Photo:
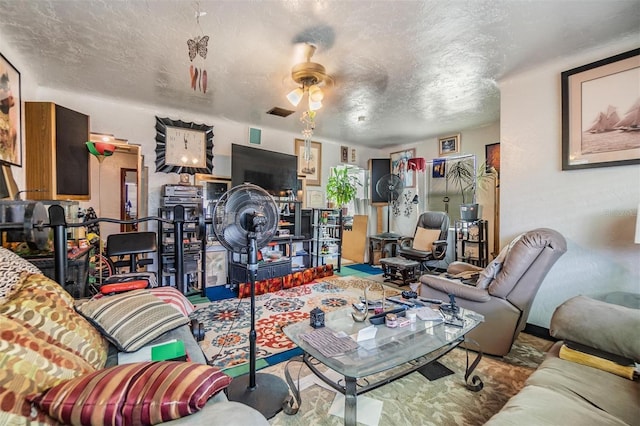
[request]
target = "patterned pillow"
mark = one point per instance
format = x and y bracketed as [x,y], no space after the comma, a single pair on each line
[11,266]
[44,307]
[28,365]
[174,298]
[131,320]
[139,393]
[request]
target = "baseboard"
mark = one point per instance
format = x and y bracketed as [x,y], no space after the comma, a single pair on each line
[537,331]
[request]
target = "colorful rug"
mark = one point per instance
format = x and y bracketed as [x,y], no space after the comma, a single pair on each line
[415,400]
[362,267]
[227,322]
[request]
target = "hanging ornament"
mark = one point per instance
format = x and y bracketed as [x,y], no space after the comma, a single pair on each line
[197,47]
[308,119]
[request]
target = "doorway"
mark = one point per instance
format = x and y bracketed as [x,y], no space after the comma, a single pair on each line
[128,198]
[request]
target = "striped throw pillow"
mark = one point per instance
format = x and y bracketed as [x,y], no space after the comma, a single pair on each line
[174,298]
[139,393]
[133,319]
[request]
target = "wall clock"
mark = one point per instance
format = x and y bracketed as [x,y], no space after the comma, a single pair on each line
[183,147]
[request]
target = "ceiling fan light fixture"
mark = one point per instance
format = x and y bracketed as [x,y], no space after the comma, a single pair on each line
[314,106]
[295,96]
[315,93]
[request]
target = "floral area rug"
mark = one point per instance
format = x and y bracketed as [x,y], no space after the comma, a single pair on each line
[227,322]
[415,400]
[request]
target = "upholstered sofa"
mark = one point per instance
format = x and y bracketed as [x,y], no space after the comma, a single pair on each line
[578,383]
[57,367]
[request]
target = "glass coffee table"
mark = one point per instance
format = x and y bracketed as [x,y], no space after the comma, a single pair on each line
[402,350]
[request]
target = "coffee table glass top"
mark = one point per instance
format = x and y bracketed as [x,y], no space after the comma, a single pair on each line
[391,347]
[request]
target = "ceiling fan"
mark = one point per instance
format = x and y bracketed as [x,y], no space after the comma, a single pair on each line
[311,77]
[389,187]
[245,219]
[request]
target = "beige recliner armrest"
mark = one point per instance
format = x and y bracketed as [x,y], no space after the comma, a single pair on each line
[455,268]
[456,288]
[600,325]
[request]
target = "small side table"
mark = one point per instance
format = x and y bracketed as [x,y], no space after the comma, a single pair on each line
[378,247]
[406,268]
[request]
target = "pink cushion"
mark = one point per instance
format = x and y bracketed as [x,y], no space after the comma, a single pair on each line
[138,393]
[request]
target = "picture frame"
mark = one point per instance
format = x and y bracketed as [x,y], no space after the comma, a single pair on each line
[598,103]
[11,94]
[449,145]
[400,166]
[492,156]
[310,168]
[344,154]
[315,199]
[439,168]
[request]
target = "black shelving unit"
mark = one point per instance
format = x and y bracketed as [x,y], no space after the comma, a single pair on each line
[326,241]
[471,241]
[193,247]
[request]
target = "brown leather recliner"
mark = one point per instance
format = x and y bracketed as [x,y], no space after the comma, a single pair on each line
[504,290]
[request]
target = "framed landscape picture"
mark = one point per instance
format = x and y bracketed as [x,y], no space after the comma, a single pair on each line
[449,145]
[601,113]
[10,114]
[309,166]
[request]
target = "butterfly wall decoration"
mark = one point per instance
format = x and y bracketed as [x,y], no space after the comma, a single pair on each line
[198,47]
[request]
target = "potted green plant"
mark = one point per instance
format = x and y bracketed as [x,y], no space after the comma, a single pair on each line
[341,186]
[461,174]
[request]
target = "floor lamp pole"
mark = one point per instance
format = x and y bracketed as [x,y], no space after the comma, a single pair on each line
[264,392]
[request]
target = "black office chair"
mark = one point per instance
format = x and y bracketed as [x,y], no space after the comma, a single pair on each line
[429,242]
[126,250]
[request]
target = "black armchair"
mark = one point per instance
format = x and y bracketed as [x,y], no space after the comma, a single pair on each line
[429,242]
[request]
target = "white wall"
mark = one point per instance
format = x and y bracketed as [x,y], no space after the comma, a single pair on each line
[136,123]
[595,209]
[472,141]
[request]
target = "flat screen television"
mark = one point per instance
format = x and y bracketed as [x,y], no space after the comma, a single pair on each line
[275,172]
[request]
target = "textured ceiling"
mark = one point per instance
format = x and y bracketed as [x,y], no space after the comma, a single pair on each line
[412,69]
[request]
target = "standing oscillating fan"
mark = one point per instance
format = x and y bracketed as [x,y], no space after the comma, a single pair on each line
[245,219]
[390,187]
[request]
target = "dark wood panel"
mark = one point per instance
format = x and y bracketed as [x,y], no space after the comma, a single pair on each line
[72,156]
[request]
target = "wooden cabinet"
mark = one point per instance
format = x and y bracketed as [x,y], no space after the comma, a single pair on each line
[56,157]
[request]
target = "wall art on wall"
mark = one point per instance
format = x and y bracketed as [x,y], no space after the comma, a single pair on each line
[492,155]
[399,166]
[344,154]
[449,145]
[10,114]
[353,155]
[601,113]
[315,199]
[439,168]
[309,166]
